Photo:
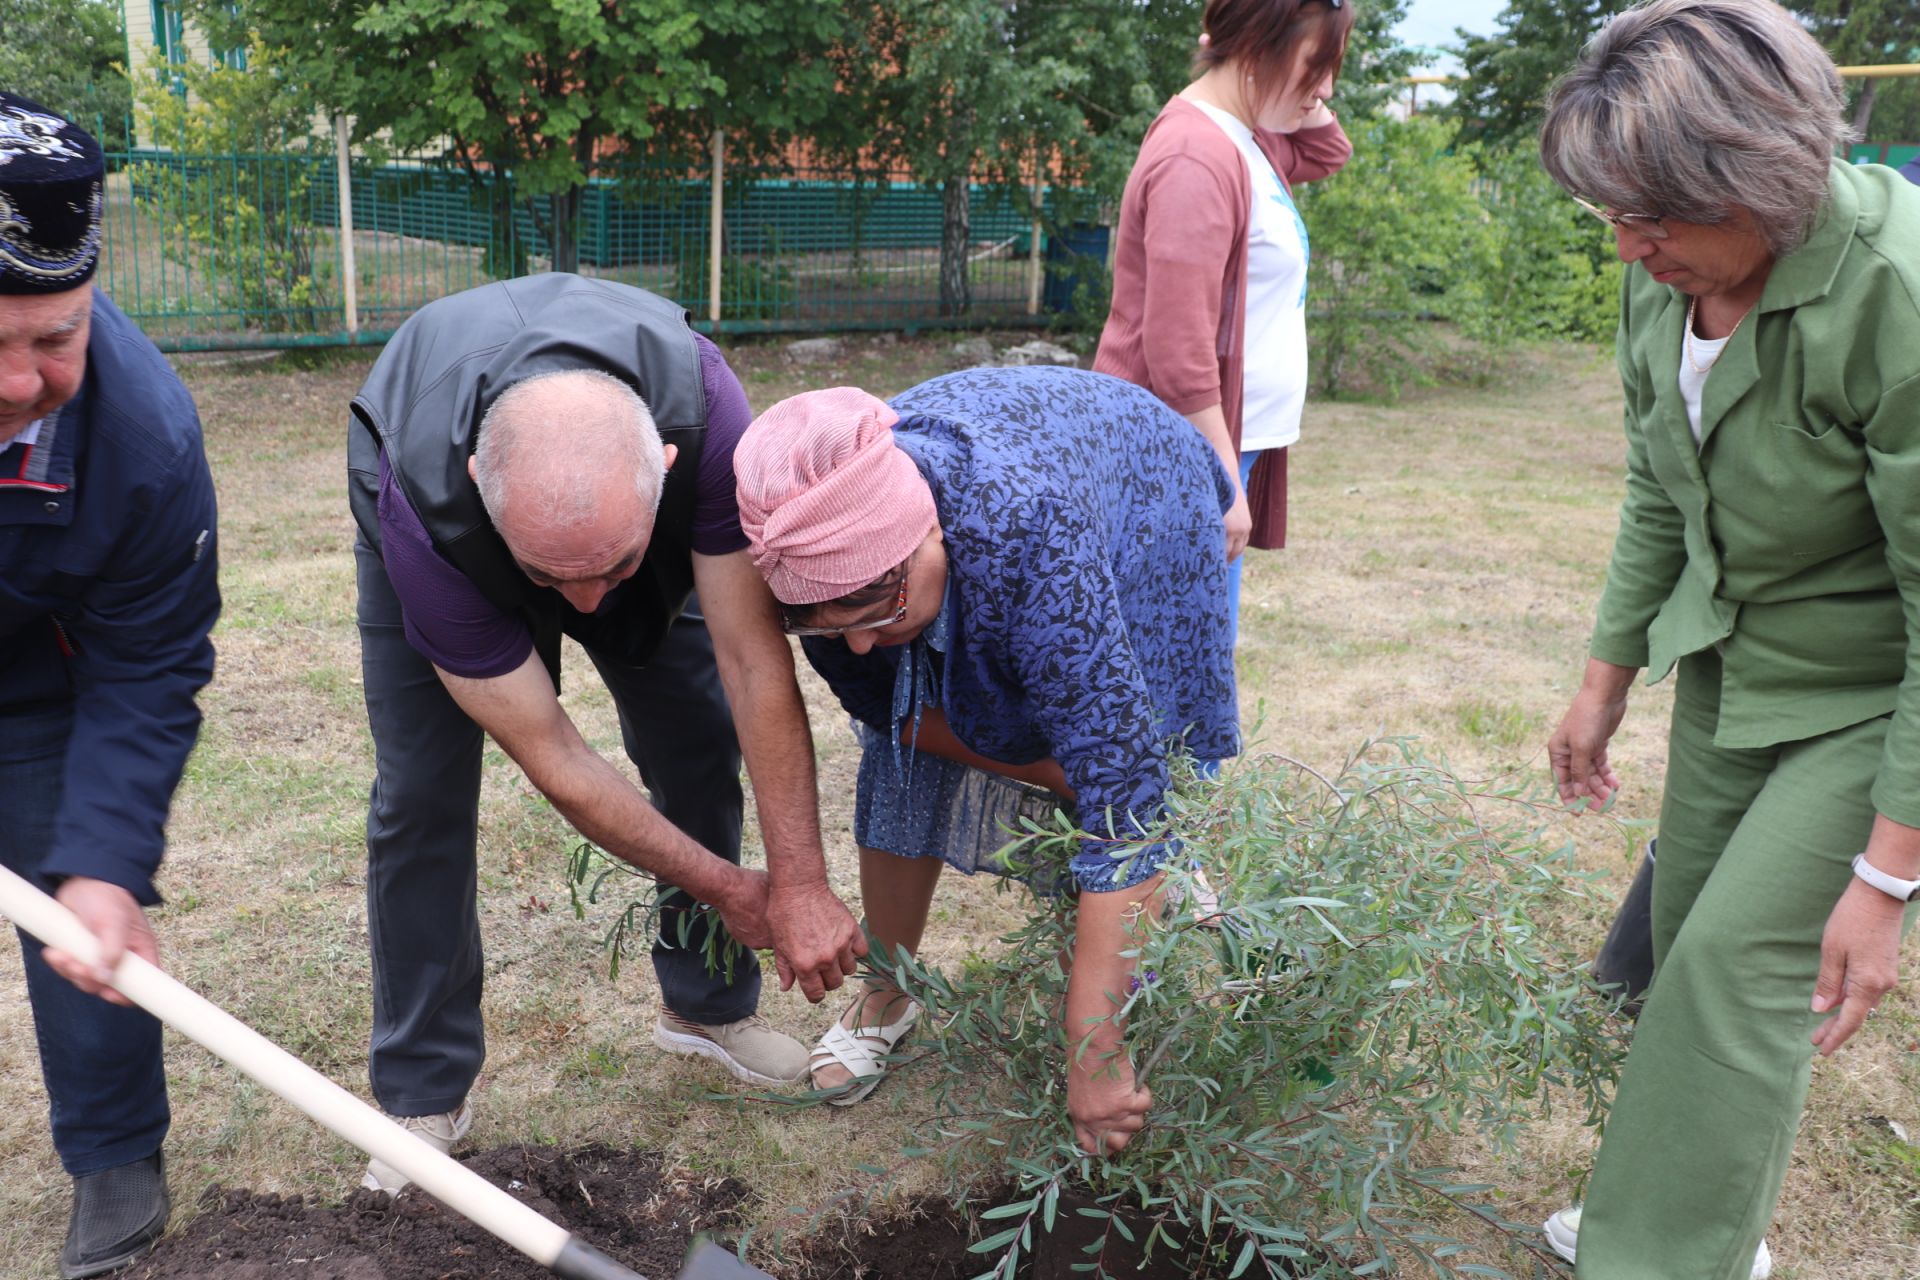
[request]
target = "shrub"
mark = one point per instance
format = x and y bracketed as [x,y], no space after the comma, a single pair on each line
[1395,239]
[1381,977]
[1550,270]
[1413,231]
[236,197]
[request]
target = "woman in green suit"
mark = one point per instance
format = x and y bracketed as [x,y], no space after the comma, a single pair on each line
[1769,548]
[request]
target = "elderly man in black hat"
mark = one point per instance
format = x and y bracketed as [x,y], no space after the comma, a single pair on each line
[107,596]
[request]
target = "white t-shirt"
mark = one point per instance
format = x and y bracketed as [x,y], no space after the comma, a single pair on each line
[1702,352]
[1275,386]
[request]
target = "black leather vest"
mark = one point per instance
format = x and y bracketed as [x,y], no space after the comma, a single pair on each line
[423,402]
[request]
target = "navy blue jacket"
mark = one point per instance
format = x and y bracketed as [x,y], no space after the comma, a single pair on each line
[107,596]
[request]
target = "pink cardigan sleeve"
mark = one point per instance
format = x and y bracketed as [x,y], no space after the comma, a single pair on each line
[1192,226]
[1307,154]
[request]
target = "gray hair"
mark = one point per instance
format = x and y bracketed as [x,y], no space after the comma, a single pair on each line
[1693,109]
[547,437]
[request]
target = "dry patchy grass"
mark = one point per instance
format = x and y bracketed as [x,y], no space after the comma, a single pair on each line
[1446,556]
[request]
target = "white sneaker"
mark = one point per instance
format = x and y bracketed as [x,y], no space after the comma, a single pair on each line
[439,1132]
[749,1048]
[1563,1233]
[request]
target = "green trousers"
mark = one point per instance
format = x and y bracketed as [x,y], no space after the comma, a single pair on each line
[1756,846]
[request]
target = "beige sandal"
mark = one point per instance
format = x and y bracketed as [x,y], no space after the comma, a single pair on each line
[862,1051]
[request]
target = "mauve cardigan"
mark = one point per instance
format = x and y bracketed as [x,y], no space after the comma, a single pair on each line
[1178,324]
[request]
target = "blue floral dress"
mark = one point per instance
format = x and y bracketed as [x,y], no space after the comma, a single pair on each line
[1083,619]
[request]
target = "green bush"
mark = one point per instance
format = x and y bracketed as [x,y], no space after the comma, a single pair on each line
[236,197]
[1381,977]
[1397,237]
[759,286]
[1550,271]
[1414,231]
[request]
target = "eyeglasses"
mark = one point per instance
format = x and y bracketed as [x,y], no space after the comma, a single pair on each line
[1641,224]
[792,628]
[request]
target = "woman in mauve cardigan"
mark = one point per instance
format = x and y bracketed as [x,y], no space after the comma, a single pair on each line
[1178,324]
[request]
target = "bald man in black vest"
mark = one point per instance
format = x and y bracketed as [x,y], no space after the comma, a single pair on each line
[548,457]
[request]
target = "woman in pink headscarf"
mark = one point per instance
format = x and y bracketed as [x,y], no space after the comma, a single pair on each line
[967,569]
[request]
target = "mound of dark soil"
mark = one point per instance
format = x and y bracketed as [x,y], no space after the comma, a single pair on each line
[624,1203]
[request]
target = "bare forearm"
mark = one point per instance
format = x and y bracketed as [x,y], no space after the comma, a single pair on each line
[1211,422]
[777,744]
[769,717]
[936,737]
[606,808]
[1607,681]
[519,711]
[1110,924]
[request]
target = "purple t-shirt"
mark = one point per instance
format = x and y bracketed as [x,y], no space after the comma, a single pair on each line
[455,627]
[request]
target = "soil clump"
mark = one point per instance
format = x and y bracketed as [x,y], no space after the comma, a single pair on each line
[627,1204]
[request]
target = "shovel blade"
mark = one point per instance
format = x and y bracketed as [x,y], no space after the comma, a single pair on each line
[708,1261]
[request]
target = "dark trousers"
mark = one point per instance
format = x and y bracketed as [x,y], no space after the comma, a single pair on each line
[422,829]
[101,1062]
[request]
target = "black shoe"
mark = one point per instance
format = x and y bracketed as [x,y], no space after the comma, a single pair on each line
[118,1214]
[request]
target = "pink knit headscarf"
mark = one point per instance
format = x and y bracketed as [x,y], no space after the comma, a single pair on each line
[827,500]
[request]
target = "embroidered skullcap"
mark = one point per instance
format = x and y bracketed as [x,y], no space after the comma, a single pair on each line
[51,172]
[827,500]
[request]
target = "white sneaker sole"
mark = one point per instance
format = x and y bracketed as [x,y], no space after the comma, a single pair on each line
[1564,1243]
[381,1176]
[1562,1240]
[699,1046]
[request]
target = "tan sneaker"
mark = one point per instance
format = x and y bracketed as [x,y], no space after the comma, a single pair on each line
[439,1132]
[749,1048]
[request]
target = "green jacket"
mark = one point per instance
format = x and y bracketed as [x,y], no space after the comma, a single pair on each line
[1791,538]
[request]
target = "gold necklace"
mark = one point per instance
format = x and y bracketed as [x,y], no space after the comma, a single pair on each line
[1686,340]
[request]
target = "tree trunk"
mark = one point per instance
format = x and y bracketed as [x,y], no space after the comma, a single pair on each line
[506,255]
[563,234]
[1863,108]
[956,232]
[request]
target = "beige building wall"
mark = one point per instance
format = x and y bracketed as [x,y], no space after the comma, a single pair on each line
[145,47]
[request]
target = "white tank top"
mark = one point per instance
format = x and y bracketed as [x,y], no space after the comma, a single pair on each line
[1275,387]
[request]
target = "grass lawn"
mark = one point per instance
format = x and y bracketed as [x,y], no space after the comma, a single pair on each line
[1447,552]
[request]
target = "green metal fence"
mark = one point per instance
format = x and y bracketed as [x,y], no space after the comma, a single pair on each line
[1890,153]
[246,250]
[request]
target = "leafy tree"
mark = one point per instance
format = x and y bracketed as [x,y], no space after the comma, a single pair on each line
[67,55]
[235,197]
[1896,110]
[1399,238]
[992,91]
[1548,270]
[1506,75]
[546,90]
[1864,31]
[1376,60]
[960,92]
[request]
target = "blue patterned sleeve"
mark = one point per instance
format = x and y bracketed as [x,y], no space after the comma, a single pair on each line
[1069,644]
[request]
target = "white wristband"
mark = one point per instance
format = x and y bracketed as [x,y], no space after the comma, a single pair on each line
[1892,886]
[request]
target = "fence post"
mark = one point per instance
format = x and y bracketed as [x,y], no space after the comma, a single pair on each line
[1034,271]
[713,230]
[349,277]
